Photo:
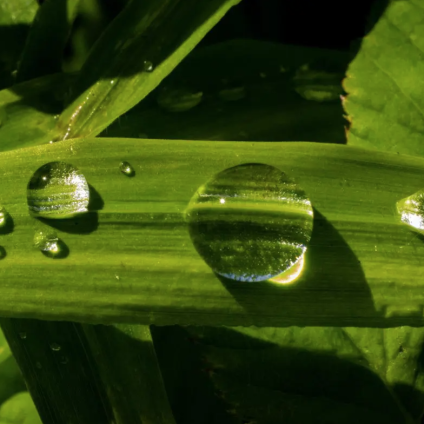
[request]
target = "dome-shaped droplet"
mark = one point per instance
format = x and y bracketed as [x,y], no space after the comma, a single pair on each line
[232,93]
[250,222]
[127,169]
[47,241]
[178,99]
[55,346]
[147,66]
[411,210]
[22,335]
[57,190]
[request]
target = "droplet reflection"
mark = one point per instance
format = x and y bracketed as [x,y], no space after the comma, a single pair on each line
[250,222]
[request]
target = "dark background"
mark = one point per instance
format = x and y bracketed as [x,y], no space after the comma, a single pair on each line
[312,23]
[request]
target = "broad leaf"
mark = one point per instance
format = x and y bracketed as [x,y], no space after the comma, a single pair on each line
[325,375]
[140,48]
[385,85]
[130,258]
[248,91]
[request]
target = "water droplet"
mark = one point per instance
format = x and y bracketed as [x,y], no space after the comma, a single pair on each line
[250,222]
[64,360]
[38,365]
[232,94]
[320,93]
[147,66]
[22,335]
[55,347]
[178,99]
[127,169]
[262,74]
[48,242]
[411,210]
[318,85]
[57,190]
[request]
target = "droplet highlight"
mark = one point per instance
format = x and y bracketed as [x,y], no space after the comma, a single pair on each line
[178,99]
[22,335]
[127,169]
[57,190]
[147,66]
[411,211]
[250,222]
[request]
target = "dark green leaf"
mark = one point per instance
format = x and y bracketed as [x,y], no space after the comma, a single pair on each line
[43,53]
[320,375]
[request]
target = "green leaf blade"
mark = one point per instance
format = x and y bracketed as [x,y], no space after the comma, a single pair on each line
[132,260]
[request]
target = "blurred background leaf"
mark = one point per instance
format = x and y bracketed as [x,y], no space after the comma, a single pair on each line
[19,409]
[248,90]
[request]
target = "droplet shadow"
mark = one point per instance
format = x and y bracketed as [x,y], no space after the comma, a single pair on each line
[331,285]
[8,225]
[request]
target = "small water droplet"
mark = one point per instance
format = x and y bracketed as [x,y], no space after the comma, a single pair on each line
[147,66]
[56,116]
[112,82]
[48,242]
[178,99]
[262,74]
[38,365]
[64,360]
[250,222]
[127,169]
[22,335]
[55,347]
[411,210]
[232,94]
[57,190]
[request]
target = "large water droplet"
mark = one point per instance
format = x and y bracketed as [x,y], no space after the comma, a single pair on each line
[127,169]
[250,222]
[57,190]
[178,99]
[147,66]
[48,242]
[411,210]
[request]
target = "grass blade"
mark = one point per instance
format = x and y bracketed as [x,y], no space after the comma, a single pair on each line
[51,28]
[131,258]
[112,83]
